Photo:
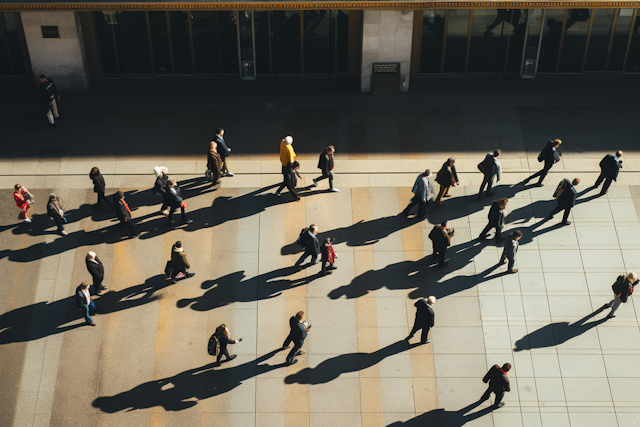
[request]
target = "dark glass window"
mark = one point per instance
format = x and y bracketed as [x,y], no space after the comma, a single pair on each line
[486,30]
[457,33]
[620,38]
[12,61]
[510,56]
[160,42]
[181,43]
[575,39]
[550,40]
[599,40]
[135,40]
[633,61]
[227,42]
[109,42]
[340,41]
[204,42]
[432,35]
[317,55]
[264,28]
[533,38]
[288,42]
[6,66]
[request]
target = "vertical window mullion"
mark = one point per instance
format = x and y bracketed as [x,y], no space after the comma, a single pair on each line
[153,65]
[562,33]
[444,40]
[170,41]
[301,41]
[466,59]
[611,36]
[586,45]
[632,26]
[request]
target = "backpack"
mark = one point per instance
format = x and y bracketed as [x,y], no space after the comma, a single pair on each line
[213,347]
[481,166]
[300,240]
[560,189]
[168,269]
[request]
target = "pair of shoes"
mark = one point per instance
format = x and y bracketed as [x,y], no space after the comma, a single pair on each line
[277,194]
[315,183]
[27,220]
[335,190]
[91,323]
[189,275]
[566,223]
[447,195]
[426,342]
[331,267]
[228,174]
[64,232]
[189,221]
[499,405]
[232,357]
[515,270]
[291,362]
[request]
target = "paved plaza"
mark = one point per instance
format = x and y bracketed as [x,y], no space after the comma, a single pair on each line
[146,363]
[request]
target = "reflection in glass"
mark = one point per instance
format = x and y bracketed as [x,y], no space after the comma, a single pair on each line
[135,41]
[510,56]
[432,35]
[204,42]
[160,42]
[109,42]
[550,40]
[457,32]
[485,38]
[317,27]
[11,57]
[228,42]
[633,61]
[287,42]
[180,42]
[339,41]
[264,28]
[599,40]
[575,39]
[6,68]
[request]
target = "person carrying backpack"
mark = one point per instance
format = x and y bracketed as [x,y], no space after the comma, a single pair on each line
[566,195]
[550,155]
[309,241]
[622,290]
[222,336]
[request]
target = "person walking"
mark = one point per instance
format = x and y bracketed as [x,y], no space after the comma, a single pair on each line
[180,263]
[566,195]
[422,193]
[95,267]
[510,250]
[327,256]
[293,325]
[49,97]
[496,219]
[550,154]
[85,303]
[290,180]
[214,163]
[123,212]
[224,338]
[425,319]
[622,290]
[99,186]
[610,165]
[325,164]
[23,200]
[309,240]
[174,196]
[223,151]
[498,384]
[447,177]
[160,187]
[56,211]
[287,154]
[490,168]
[298,335]
[440,237]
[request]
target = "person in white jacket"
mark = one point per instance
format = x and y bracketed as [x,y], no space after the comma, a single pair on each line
[423,192]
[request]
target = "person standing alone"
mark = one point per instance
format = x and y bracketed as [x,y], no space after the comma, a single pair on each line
[425,319]
[441,239]
[510,250]
[325,164]
[622,290]
[49,97]
[223,150]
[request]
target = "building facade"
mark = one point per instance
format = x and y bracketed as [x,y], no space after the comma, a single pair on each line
[77,42]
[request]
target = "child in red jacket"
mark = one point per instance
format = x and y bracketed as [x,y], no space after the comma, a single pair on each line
[23,200]
[328,256]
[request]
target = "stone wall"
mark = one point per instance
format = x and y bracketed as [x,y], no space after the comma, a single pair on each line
[386,37]
[62,58]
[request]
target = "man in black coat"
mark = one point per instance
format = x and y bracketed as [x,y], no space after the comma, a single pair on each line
[566,200]
[496,219]
[550,154]
[49,97]
[293,325]
[298,335]
[490,167]
[498,384]
[325,164]
[174,199]
[622,290]
[609,168]
[440,239]
[123,212]
[309,240]
[96,269]
[510,251]
[425,319]
[223,151]
[447,177]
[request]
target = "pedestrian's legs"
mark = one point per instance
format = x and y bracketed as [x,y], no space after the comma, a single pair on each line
[225,352]
[421,209]
[58,221]
[489,184]
[442,256]
[294,351]
[616,304]
[510,265]
[543,174]
[499,396]
[292,190]
[287,341]
[224,165]
[425,333]
[607,184]
[54,108]
[499,234]
[566,214]
[302,258]
[184,215]
[331,180]
[130,227]
[599,180]
[50,116]
[484,182]
[486,395]
[88,310]
[441,193]
[483,233]
[284,184]
[24,211]
[554,211]
[416,327]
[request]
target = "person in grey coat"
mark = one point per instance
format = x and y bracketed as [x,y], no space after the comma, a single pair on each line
[496,219]
[423,192]
[425,319]
[490,168]
[510,251]
[223,150]
[309,240]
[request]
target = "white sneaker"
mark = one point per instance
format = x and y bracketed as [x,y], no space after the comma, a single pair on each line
[228,174]
[27,220]
[335,190]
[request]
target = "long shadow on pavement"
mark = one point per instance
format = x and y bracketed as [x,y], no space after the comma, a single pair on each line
[442,418]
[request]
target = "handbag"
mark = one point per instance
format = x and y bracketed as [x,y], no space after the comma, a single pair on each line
[29,198]
[208,174]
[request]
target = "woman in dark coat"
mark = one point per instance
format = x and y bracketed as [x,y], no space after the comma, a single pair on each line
[99,185]
[214,163]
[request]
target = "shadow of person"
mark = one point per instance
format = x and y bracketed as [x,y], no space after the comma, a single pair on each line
[135,296]
[330,369]
[43,224]
[186,389]
[557,333]
[237,287]
[441,418]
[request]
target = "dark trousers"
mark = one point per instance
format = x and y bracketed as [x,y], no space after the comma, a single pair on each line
[325,176]
[102,197]
[97,283]
[88,311]
[60,221]
[224,163]
[425,331]
[314,258]
[324,265]
[607,183]
[294,352]
[558,208]
[542,174]
[488,181]
[173,209]
[165,203]
[416,200]
[511,262]
[489,226]
[440,254]
[287,341]
[498,392]
[224,352]
[129,226]
[286,183]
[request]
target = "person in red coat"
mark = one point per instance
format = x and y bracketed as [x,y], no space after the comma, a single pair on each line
[21,196]
[328,256]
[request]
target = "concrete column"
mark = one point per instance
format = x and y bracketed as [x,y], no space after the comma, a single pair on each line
[386,37]
[62,58]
